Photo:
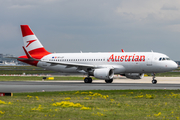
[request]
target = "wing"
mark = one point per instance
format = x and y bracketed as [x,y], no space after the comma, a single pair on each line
[84,67]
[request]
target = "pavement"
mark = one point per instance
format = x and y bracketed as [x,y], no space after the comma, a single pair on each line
[120,83]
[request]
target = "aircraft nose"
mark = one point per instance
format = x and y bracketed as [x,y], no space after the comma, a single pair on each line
[174,65]
[177,65]
[171,66]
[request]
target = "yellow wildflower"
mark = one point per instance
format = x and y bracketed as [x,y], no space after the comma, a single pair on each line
[84,93]
[2,102]
[77,92]
[29,96]
[38,108]
[68,98]
[157,114]
[9,103]
[37,98]
[1,112]
[86,98]
[85,108]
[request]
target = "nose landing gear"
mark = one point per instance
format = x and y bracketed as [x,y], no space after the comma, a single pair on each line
[154,81]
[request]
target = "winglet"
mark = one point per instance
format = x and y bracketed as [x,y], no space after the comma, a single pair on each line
[122,50]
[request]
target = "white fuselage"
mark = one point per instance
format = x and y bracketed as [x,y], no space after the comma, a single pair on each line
[121,62]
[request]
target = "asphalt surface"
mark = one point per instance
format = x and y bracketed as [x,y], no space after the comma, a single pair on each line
[118,84]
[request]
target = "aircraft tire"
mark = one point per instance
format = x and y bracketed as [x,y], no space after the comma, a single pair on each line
[88,80]
[154,81]
[109,81]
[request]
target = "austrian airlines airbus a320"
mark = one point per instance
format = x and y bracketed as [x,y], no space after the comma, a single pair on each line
[133,65]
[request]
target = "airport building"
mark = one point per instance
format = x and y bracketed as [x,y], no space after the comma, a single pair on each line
[4,61]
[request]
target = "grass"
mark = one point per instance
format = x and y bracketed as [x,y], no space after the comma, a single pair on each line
[23,69]
[167,74]
[37,78]
[92,105]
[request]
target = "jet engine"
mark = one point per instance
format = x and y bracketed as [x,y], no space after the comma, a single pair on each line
[133,75]
[104,73]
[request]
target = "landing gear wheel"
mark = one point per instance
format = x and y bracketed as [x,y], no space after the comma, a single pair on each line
[154,81]
[109,81]
[87,80]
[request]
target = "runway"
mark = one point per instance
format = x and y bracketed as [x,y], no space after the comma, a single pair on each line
[118,84]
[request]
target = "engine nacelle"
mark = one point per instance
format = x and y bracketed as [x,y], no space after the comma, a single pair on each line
[104,73]
[134,75]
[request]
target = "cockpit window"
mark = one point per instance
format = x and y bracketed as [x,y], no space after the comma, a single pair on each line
[162,59]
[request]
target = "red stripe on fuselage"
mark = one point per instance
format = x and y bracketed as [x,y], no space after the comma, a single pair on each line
[26,30]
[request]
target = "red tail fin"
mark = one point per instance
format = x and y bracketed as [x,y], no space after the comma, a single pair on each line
[32,45]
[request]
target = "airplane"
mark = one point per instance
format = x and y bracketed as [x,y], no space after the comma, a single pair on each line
[103,66]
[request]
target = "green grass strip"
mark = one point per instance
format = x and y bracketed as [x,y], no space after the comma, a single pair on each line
[37,78]
[92,105]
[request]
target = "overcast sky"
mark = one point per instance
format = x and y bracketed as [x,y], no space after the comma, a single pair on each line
[93,25]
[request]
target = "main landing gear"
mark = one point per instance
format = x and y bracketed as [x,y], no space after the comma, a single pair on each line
[88,80]
[109,81]
[154,81]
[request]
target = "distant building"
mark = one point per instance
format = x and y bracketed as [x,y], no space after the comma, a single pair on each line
[9,61]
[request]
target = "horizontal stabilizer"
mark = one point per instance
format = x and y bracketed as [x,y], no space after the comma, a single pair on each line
[24,58]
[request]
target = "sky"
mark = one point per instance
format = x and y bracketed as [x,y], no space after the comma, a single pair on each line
[93,25]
